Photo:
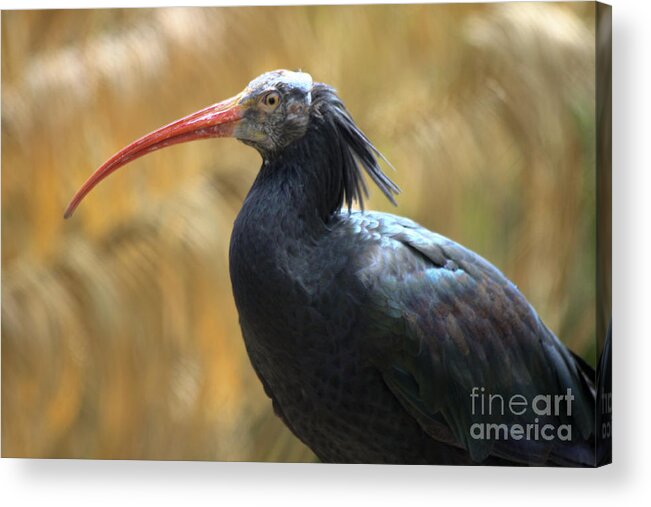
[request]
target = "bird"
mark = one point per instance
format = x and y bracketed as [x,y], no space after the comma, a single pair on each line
[376,339]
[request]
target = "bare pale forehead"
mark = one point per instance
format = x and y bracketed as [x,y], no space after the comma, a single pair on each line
[288,78]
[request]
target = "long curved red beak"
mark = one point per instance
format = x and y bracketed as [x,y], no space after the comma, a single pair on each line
[218,120]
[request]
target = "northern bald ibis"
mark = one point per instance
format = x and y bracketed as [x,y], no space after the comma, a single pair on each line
[377,340]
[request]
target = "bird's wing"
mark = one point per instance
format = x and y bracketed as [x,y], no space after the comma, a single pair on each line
[446,325]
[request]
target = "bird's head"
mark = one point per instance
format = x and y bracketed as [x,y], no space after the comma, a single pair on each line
[275,110]
[272,112]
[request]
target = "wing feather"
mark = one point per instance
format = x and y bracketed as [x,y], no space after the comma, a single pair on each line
[445,322]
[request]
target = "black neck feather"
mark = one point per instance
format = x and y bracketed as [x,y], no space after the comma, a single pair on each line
[322,171]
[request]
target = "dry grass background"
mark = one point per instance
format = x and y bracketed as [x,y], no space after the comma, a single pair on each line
[119,334]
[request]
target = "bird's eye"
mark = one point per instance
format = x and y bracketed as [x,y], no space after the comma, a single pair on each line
[271,100]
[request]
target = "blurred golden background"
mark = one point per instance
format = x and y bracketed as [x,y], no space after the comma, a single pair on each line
[119,334]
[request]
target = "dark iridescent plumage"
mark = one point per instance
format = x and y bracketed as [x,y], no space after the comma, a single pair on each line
[369,331]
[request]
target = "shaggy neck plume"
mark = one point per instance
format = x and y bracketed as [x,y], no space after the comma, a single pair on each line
[321,172]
